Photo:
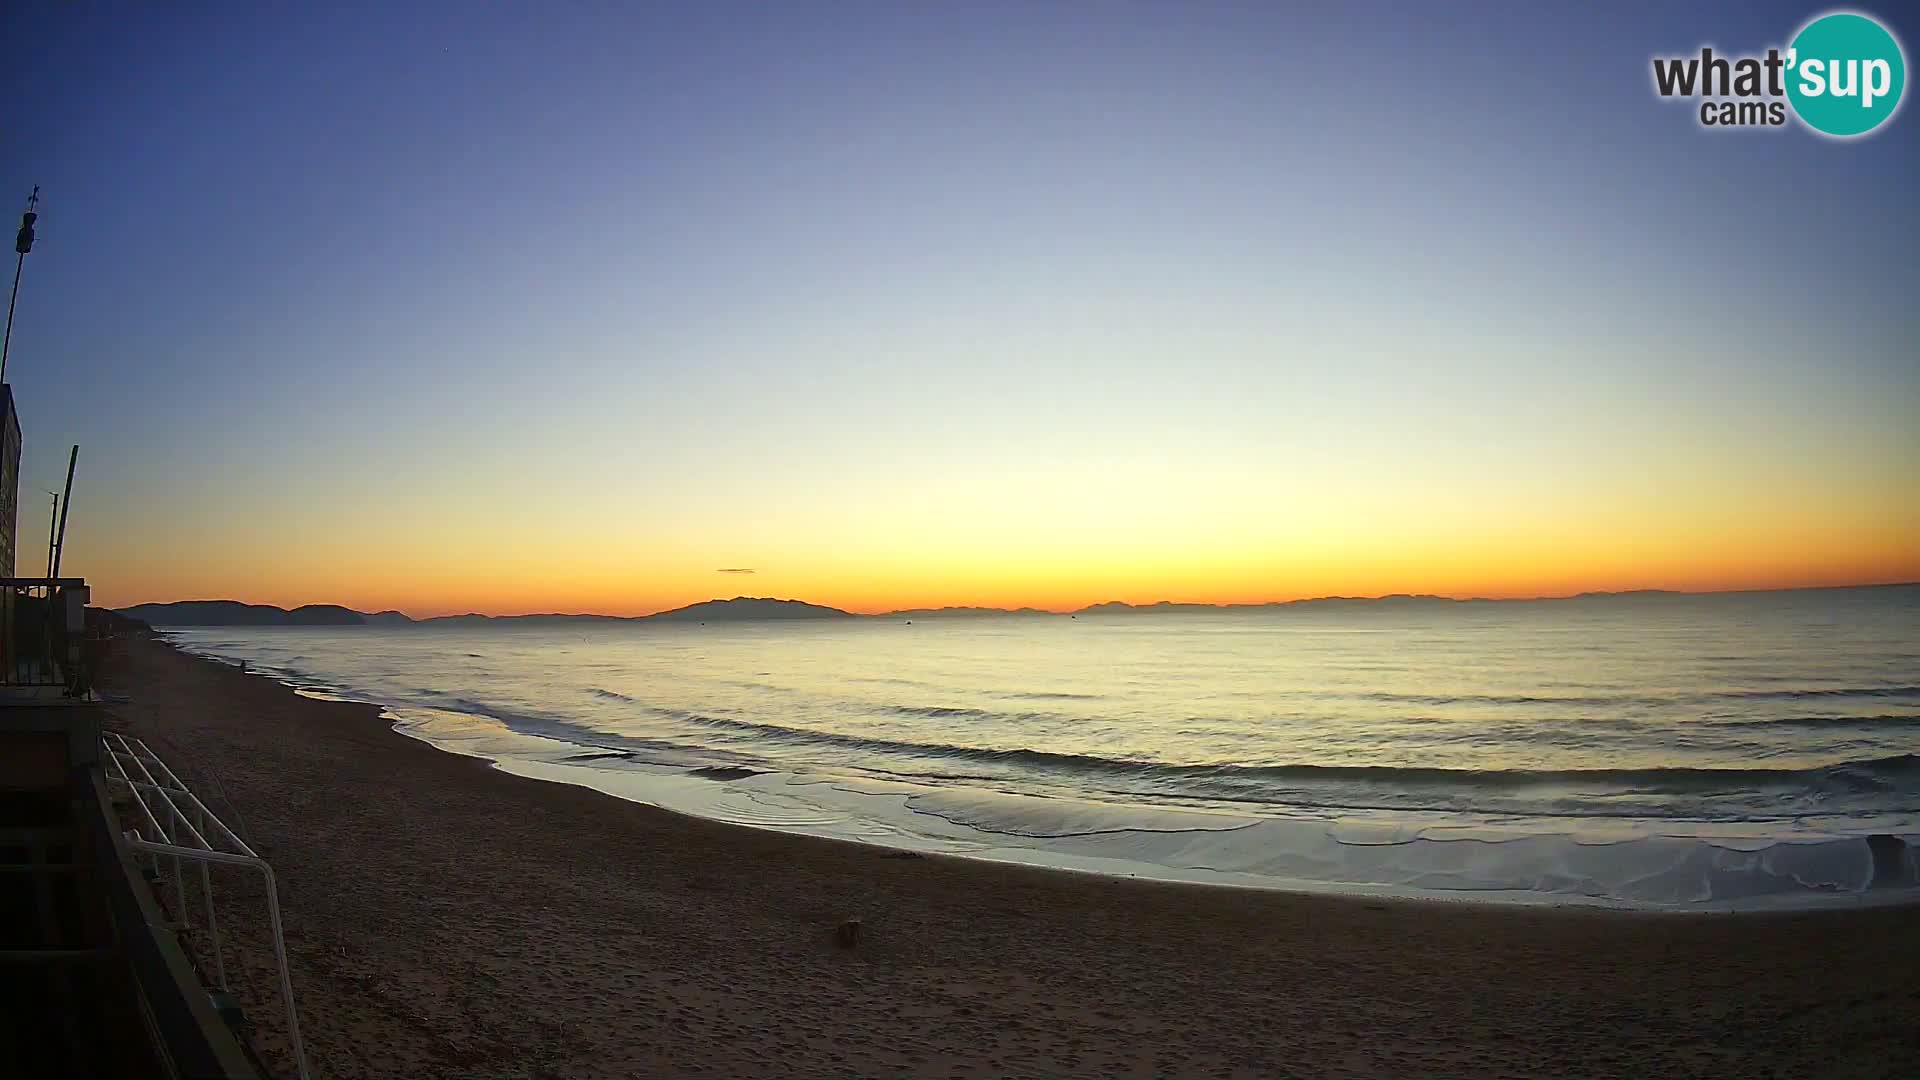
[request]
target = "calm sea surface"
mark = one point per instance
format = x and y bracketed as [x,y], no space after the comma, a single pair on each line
[1712,708]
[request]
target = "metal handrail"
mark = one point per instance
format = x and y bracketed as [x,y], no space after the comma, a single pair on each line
[182,839]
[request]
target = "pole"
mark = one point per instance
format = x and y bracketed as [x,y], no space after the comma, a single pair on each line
[7,345]
[66,504]
[22,244]
[53,520]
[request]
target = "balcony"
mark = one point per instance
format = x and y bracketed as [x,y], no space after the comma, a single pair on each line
[45,653]
[99,966]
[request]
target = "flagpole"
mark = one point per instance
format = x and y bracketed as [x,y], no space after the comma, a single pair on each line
[66,504]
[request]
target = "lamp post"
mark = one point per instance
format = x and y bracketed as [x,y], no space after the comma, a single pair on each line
[22,243]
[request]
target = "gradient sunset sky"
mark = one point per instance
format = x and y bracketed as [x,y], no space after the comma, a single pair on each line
[570,307]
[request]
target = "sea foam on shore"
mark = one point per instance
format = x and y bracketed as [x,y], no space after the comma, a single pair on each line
[1623,862]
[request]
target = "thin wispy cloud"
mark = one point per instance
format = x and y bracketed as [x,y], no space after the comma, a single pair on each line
[735,570]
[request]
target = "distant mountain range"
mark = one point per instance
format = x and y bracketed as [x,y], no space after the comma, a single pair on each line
[752,608]
[234,613]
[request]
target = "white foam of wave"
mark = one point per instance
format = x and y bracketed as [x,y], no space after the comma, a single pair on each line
[1664,865]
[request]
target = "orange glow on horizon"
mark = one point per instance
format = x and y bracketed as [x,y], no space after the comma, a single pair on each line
[1049,535]
[880,593]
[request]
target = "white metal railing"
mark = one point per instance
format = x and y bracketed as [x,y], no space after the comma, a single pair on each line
[180,825]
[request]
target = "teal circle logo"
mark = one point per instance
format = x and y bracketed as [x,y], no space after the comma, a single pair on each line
[1845,74]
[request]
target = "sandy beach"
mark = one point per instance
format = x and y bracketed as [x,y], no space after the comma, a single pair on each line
[447,919]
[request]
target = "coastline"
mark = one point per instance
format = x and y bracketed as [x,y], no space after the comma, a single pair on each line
[1586,836]
[449,918]
[1358,855]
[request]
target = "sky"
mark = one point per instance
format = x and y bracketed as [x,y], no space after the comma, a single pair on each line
[515,307]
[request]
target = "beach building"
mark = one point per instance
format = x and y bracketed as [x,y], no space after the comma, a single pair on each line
[104,970]
[9,481]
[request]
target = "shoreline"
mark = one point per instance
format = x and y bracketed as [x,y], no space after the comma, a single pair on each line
[1608,861]
[682,790]
[446,917]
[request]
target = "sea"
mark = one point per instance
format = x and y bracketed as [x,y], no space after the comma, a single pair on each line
[1647,750]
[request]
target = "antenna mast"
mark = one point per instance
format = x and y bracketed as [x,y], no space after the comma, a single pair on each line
[22,243]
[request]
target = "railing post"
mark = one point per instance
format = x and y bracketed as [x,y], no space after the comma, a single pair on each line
[213,922]
[286,976]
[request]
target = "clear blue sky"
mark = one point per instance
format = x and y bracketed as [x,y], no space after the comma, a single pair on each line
[529,306]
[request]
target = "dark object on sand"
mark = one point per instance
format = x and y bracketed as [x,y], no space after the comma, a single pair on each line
[726,772]
[847,933]
[1891,865]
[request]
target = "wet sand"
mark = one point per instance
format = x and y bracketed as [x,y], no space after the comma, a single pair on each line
[447,919]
